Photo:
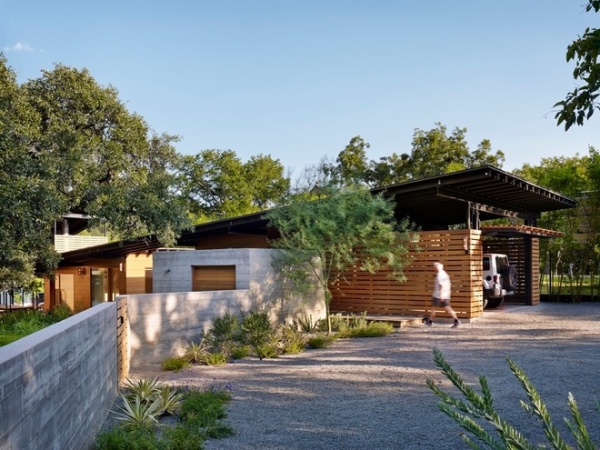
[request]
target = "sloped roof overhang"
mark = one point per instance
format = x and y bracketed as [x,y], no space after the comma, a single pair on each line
[447,199]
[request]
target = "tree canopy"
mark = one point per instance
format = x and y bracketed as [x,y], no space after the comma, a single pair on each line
[434,152]
[580,104]
[217,184]
[69,145]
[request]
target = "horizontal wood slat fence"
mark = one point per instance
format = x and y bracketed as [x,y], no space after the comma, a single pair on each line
[461,253]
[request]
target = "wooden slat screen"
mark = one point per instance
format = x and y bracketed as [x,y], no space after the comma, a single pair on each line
[459,250]
[122,336]
[213,278]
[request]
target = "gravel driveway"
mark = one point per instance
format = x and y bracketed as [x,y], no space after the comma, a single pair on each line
[371,393]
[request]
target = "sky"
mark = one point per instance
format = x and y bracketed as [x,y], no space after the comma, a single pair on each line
[296,80]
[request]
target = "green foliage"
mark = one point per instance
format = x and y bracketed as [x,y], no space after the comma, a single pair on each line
[372,329]
[218,184]
[122,439]
[479,411]
[293,341]
[320,239]
[61,312]
[144,389]
[224,332]
[215,359]
[320,341]
[175,364]
[182,437]
[580,104]
[138,414]
[194,352]
[256,328]
[201,417]
[306,323]
[69,144]
[17,324]
[240,351]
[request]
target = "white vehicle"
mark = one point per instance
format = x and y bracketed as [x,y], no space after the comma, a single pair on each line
[499,279]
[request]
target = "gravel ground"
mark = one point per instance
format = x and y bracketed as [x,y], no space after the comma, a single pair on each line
[371,393]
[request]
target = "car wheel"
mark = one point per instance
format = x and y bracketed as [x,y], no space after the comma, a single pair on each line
[495,302]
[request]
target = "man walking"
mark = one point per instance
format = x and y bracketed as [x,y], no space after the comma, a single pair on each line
[441,296]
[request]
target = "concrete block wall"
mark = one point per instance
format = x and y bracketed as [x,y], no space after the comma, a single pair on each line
[57,385]
[173,273]
[172,270]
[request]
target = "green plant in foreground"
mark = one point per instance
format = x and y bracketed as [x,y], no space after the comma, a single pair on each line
[215,359]
[119,438]
[480,407]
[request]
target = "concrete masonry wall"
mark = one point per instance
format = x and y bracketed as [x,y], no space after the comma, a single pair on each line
[57,385]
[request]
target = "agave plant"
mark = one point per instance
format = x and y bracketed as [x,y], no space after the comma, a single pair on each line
[170,400]
[143,389]
[137,414]
[195,352]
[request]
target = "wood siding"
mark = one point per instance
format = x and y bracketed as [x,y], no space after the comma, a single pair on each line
[122,340]
[233,241]
[136,266]
[461,253]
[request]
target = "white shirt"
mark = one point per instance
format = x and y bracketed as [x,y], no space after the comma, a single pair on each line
[441,288]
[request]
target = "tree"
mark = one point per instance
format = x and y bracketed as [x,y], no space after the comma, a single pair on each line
[69,145]
[218,184]
[29,200]
[580,104]
[576,177]
[345,229]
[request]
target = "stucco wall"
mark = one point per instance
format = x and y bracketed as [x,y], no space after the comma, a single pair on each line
[57,385]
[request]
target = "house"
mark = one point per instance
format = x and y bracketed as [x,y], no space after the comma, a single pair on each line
[450,210]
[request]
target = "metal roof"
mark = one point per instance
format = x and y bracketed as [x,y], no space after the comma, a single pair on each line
[444,200]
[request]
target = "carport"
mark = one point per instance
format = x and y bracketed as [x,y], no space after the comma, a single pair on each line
[450,211]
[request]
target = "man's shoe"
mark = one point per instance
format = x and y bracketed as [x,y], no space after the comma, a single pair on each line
[427,321]
[456,323]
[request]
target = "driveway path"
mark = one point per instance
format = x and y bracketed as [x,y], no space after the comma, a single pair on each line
[371,393]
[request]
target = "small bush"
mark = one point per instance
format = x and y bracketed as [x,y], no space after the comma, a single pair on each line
[256,328]
[373,329]
[240,351]
[195,352]
[182,437]
[225,329]
[320,341]
[119,438]
[174,364]
[215,359]
[293,341]
[267,350]
[306,324]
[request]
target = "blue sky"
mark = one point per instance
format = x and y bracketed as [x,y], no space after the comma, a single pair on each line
[297,80]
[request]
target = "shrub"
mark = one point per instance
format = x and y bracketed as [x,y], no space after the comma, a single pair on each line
[182,437]
[174,364]
[240,351]
[372,329]
[215,359]
[225,329]
[195,352]
[320,341]
[472,416]
[119,438]
[306,324]
[144,389]
[137,414]
[256,328]
[293,341]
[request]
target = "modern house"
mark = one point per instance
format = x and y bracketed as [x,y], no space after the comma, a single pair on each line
[449,209]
